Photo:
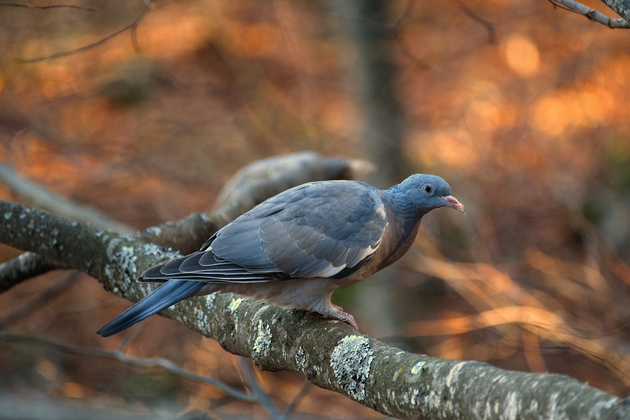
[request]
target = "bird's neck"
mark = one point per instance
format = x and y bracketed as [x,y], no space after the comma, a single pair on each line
[405,220]
[403,206]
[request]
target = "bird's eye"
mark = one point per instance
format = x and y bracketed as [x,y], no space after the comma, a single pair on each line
[428,188]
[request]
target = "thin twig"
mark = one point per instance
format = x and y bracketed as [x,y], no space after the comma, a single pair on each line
[52,6]
[396,31]
[297,399]
[474,16]
[25,266]
[256,391]
[132,25]
[591,14]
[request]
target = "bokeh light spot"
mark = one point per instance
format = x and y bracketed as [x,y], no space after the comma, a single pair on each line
[521,55]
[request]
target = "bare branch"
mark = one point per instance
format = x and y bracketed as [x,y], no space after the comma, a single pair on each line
[621,7]
[404,48]
[297,399]
[591,14]
[489,26]
[132,26]
[41,197]
[52,6]
[267,177]
[24,267]
[261,396]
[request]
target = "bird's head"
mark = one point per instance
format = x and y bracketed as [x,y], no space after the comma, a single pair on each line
[429,192]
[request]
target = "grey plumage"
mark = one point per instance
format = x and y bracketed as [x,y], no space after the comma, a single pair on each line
[296,248]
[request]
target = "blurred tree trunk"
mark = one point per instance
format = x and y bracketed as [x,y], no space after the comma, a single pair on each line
[371,82]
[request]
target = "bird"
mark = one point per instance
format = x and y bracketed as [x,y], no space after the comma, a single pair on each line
[297,247]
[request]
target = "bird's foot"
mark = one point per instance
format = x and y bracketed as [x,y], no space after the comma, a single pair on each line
[344,316]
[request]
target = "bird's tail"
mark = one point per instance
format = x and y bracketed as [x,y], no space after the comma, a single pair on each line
[164,296]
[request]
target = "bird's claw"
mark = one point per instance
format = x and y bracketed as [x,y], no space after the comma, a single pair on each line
[344,316]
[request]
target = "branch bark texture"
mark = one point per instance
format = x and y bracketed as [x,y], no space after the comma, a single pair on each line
[330,354]
[621,7]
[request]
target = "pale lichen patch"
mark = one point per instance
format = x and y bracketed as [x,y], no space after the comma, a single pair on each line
[454,373]
[300,360]
[202,319]
[262,343]
[153,249]
[351,361]
[112,244]
[511,407]
[553,411]
[235,304]
[122,265]
[210,299]
[605,404]
[417,368]
[414,397]
[153,230]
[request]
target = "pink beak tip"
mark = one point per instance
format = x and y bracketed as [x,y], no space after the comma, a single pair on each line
[454,204]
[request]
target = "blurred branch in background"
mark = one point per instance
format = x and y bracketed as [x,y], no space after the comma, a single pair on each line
[489,26]
[30,193]
[575,308]
[621,7]
[23,267]
[267,177]
[51,6]
[148,4]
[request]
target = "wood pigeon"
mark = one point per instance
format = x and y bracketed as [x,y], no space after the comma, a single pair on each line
[296,248]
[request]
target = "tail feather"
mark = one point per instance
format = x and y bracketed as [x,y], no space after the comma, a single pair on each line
[164,296]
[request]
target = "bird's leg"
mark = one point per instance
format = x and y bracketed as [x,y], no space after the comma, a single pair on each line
[339,313]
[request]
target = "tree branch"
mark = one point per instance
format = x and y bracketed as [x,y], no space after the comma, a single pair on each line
[148,4]
[595,16]
[621,7]
[52,6]
[24,267]
[29,192]
[330,354]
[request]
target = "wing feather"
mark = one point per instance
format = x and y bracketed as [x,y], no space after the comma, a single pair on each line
[189,268]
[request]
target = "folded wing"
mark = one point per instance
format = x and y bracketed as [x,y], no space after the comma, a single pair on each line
[315,230]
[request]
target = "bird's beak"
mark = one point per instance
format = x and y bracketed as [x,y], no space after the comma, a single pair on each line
[453,203]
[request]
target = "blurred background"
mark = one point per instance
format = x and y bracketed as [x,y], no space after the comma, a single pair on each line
[520,106]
